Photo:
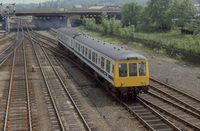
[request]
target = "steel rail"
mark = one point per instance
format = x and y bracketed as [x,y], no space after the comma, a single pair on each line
[177,100]
[127,107]
[14,43]
[160,116]
[175,105]
[170,114]
[47,85]
[5,58]
[9,94]
[143,121]
[8,47]
[148,126]
[10,86]
[135,114]
[27,85]
[172,88]
[61,81]
[45,37]
[60,51]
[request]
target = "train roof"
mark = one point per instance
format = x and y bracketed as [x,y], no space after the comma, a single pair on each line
[112,51]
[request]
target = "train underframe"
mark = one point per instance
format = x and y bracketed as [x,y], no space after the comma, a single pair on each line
[126,93]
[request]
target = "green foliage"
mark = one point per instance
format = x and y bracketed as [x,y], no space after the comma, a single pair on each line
[90,23]
[131,13]
[128,31]
[184,10]
[104,22]
[84,20]
[118,27]
[193,26]
[159,15]
[106,27]
[198,77]
[157,10]
[172,39]
[112,26]
[104,17]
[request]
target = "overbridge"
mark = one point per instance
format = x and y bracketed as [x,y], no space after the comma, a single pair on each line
[47,18]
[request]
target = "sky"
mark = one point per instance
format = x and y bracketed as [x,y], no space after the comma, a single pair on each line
[23,1]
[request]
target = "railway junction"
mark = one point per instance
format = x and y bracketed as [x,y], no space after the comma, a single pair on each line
[43,88]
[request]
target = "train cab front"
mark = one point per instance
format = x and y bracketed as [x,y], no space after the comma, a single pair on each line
[131,77]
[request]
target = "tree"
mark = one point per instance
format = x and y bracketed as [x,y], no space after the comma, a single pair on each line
[84,20]
[131,13]
[183,10]
[105,22]
[158,13]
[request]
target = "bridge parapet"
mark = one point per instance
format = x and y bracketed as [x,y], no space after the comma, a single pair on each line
[64,11]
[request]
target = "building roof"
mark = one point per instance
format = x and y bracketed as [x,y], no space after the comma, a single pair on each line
[96,7]
[77,6]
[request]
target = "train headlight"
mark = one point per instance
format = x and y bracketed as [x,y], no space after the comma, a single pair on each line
[123,83]
[142,82]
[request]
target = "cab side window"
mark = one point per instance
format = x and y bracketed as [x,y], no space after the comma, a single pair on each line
[132,69]
[123,70]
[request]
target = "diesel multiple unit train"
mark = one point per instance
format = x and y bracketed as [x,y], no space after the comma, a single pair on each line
[126,72]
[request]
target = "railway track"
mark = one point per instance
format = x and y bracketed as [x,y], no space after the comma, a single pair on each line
[4,55]
[176,95]
[180,109]
[65,114]
[151,119]
[180,106]
[17,115]
[7,52]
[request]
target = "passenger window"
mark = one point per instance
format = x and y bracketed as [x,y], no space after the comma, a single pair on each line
[142,69]
[96,58]
[89,54]
[78,47]
[86,52]
[108,66]
[102,62]
[83,50]
[133,69]
[93,57]
[99,60]
[123,70]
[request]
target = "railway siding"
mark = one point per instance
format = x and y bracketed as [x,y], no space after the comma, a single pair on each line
[176,95]
[175,104]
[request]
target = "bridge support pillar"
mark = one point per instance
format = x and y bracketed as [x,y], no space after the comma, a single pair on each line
[68,22]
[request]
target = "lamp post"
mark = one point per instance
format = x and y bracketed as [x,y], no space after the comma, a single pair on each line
[8,17]
[1,9]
